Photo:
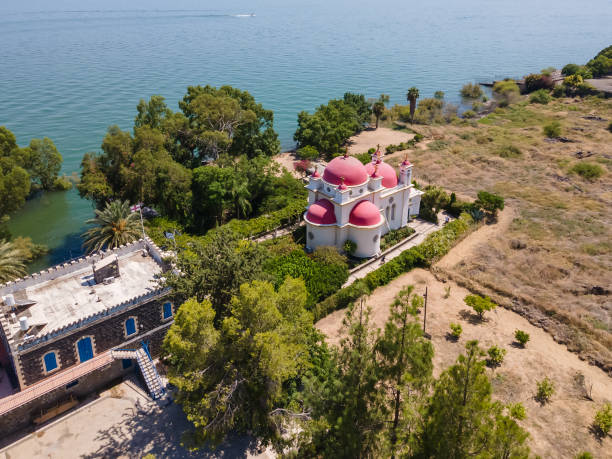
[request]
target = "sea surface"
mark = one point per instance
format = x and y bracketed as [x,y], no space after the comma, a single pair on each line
[68,75]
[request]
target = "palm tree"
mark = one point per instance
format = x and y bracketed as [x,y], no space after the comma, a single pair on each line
[412,96]
[378,108]
[240,196]
[11,262]
[115,225]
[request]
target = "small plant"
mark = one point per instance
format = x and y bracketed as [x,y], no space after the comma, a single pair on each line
[552,130]
[349,247]
[447,291]
[471,91]
[509,151]
[307,152]
[480,304]
[546,389]
[469,114]
[541,96]
[496,356]
[603,420]
[302,166]
[584,455]
[588,171]
[517,411]
[521,337]
[476,214]
[456,330]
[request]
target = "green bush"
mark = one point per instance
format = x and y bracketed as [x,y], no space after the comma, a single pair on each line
[570,69]
[517,411]
[496,356]
[506,88]
[365,158]
[545,390]
[456,330]
[509,151]
[349,247]
[307,152]
[552,130]
[559,91]
[584,455]
[418,137]
[536,81]
[395,236]
[479,304]
[588,171]
[603,420]
[469,114]
[62,184]
[521,337]
[471,91]
[541,96]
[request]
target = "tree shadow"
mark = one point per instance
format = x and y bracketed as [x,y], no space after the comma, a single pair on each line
[450,337]
[471,317]
[597,433]
[158,430]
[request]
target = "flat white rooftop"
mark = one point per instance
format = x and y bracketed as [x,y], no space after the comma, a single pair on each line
[75,296]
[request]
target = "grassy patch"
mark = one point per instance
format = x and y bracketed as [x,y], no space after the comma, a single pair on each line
[588,171]
[509,151]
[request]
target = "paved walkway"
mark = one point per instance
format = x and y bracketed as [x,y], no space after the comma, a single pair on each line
[422,228]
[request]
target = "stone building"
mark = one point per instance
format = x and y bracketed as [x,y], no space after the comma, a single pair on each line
[357,202]
[71,329]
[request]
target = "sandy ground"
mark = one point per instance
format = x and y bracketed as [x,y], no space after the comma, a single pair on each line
[367,139]
[122,423]
[559,428]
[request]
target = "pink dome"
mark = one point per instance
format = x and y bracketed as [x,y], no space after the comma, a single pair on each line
[386,171]
[321,212]
[349,167]
[365,214]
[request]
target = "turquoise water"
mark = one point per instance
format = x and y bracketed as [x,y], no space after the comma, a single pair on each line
[69,75]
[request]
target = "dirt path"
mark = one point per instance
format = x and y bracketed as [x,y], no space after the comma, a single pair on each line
[558,429]
[365,140]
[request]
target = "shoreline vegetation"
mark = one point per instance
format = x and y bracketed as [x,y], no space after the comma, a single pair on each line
[243,351]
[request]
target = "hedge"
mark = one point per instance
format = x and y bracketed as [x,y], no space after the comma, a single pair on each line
[434,247]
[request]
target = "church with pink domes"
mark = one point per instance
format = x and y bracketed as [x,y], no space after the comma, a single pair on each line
[360,203]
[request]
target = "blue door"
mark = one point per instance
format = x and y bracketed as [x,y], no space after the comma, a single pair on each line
[85,349]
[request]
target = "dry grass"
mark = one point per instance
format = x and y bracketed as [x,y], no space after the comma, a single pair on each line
[564,220]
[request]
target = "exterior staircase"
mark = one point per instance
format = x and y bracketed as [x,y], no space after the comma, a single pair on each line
[147,368]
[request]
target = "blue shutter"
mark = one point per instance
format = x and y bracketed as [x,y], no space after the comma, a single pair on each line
[130,326]
[85,349]
[167,310]
[50,361]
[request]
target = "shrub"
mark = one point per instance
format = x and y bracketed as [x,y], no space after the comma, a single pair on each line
[471,91]
[302,166]
[570,69]
[552,130]
[521,337]
[496,356]
[418,137]
[395,236]
[603,420]
[573,80]
[349,247]
[447,291]
[480,304]
[469,114]
[517,411]
[541,96]
[307,152]
[62,184]
[559,91]
[584,455]
[588,171]
[537,81]
[365,158]
[506,88]
[456,330]
[509,151]
[545,390]
[490,202]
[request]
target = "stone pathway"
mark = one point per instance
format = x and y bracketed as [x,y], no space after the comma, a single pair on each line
[422,228]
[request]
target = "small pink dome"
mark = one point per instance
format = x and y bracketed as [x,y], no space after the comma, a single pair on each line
[365,214]
[386,171]
[349,167]
[321,212]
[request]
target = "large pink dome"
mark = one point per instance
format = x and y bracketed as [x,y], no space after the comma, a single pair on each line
[347,167]
[365,214]
[388,174]
[321,212]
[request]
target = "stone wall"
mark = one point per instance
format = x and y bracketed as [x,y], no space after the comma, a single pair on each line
[106,334]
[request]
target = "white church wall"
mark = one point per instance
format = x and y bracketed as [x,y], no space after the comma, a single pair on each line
[367,240]
[320,235]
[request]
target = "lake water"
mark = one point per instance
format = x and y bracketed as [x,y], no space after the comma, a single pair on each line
[69,75]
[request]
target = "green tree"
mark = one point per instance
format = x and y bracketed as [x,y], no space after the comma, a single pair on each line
[462,420]
[490,202]
[433,200]
[603,420]
[405,368]
[439,95]
[479,304]
[361,106]
[215,270]
[14,179]
[348,405]
[152,113]
[412,95]
[378,108]
[11,262]
[115,225]
[43,163]
[232,377]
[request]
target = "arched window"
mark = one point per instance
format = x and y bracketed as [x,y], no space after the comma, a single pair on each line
[375,239]
[310,235]
[50,361]
[393,212]
[167,312]
[130,326]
